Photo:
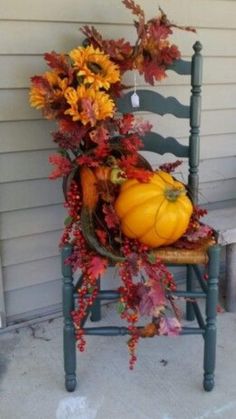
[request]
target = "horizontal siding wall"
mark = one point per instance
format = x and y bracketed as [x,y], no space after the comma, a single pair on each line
[31,210]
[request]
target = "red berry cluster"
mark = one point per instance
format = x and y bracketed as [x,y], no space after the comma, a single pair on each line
[79,260]
[73,204]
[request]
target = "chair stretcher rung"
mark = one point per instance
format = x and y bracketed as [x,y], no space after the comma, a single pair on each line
[104,295]
[189,294]
[121,331]
[114,295]
[192,331]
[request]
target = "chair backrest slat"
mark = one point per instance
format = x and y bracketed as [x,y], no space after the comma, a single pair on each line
[156,143]
[151,101]
[181,67]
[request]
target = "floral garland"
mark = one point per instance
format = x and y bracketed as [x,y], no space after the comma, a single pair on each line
[98,152]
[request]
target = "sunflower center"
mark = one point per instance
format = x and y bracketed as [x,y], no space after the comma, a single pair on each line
[94,67]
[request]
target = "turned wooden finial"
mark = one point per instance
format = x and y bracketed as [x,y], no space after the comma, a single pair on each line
[197,47]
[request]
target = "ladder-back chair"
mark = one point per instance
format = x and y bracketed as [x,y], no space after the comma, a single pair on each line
[153,102]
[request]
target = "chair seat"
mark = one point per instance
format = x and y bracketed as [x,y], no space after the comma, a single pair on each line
[180,256]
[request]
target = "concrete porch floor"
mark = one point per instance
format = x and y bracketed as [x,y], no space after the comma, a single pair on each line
[166,383]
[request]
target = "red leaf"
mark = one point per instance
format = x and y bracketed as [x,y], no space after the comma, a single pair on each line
[86,161]
[142,127]
[111,218]
[132,143]
[156,293]
[170,167]
[151,296]
[201,232]
[59,63]
[152,72]
[146,303]
[99,135]
[63,166]
[125,123]
[169,326]
[41,82]
[88,108]
[102,236]
[135,8]
[141,175]
[97,266]
[127,161]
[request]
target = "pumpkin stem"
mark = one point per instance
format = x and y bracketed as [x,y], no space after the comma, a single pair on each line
[173,193]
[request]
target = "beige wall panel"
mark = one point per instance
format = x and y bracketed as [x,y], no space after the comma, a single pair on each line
[21,302]
[27,165]
[61,37]
[31,273]
[222,190]
[26,135]
[29,194]
[196,12]
[29,248]
[31,221]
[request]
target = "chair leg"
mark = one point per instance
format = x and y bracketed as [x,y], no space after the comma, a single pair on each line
[211,311]
[69,330]
[96,307]
[189,306]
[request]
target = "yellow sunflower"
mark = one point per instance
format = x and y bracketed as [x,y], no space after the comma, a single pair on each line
[46,91]
[88,105]
[95,66]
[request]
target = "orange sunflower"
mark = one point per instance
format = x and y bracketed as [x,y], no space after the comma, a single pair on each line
[88,105]
[95,66]
[47,93]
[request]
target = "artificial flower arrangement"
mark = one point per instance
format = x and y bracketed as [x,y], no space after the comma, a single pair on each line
[119,209]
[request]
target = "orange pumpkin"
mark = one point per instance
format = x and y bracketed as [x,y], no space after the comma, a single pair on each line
[157,213]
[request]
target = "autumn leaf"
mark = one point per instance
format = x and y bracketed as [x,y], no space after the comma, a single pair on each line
[41,83]
[59,62]
[102,236]
[135,8]
[170,167]
[63,166]
[140,174]
[88,108]
[151,296]
[132,143]
[85,160]
[201,232]
[97,266]
[157,293]
[99,135]
[126,123]
[141,127]
[169,326]
[111,218]
[127,161]
[93,35]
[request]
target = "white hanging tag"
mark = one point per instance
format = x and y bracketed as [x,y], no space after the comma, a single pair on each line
[135,100]
[135,97]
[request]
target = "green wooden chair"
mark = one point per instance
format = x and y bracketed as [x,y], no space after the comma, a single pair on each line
[154,102]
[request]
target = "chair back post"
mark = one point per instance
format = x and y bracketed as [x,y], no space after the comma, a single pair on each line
[195,119]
